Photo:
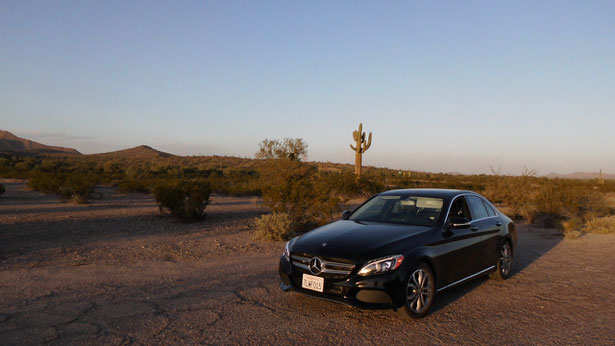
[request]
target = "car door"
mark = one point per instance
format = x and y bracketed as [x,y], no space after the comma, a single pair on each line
[459,261]
[485,228]
[495,227]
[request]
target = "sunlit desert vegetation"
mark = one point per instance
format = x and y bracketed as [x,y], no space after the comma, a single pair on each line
[302,195]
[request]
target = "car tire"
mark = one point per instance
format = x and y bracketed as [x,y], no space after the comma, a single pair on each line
[420,291]
[504,263]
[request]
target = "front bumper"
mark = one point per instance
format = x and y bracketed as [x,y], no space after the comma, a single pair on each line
[383,291]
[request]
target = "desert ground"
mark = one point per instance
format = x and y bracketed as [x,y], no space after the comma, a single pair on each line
[116,271]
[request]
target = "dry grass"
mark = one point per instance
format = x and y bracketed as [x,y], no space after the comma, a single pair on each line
[601,225]
[610,200]
[571,228]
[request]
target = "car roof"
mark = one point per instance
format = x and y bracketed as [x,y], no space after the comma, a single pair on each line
[437,193]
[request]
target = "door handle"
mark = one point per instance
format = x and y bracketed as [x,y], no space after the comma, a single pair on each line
[474,229]
[499,223]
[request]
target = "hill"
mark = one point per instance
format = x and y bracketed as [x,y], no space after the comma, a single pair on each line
[9,143]
[140,152]
[581,175]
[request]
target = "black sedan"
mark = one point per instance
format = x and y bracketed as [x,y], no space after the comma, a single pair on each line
[399,249]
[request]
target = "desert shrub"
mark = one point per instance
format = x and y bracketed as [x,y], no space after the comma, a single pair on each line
[75,187]
[109,167]
[23,166]
[293,188]
[515,193]
[184,199]
[571,228]
[4,163]
[134,185]
[562,200]
[242,183]
[276,226]
[48,165]
[601,225]
[2,189]
[44,182]
[347,185]
[546,201]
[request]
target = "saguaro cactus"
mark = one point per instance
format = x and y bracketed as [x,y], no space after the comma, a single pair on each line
[360,148]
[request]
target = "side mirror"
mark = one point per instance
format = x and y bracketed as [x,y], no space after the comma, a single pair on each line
[458,222]
[346,213]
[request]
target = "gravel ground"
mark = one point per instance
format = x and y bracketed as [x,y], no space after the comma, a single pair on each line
[115,271]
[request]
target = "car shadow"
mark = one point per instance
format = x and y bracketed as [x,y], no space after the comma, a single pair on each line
[533,243]
[451,295]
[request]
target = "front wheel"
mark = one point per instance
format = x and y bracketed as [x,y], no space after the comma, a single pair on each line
[504,263]
[420,293]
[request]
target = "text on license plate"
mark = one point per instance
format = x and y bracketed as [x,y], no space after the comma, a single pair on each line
[313,283]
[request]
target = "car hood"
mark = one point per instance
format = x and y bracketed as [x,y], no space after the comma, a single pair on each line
[358,240]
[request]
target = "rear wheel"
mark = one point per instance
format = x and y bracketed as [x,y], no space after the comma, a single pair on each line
[420,293]
[504,263]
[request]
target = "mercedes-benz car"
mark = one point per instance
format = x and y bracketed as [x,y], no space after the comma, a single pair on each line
[399,249]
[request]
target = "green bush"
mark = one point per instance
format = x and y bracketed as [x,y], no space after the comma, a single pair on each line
[293,188]
[23,166]
[516,193]
[276,226]
[48,165]
[5,163]
[133,185]
[562,200]
[74,187]
[546,201]
[347,185]
[2,189]
[184,199]
[77,187]
[236,184]
[45,182]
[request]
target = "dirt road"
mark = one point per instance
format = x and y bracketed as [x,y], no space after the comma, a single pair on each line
[116,272]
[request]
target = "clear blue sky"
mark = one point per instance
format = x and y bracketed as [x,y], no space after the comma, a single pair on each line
[443,85]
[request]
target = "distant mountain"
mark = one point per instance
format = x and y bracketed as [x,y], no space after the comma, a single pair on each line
[9,143]
[581,175]
[140,152]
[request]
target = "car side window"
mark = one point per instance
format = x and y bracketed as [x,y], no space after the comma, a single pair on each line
[459,208]
[374,209]
[490,210]
[477,208]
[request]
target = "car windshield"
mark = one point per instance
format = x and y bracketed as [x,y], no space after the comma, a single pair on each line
[407,210]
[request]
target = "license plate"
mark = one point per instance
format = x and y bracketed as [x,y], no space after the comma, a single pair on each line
[313,283]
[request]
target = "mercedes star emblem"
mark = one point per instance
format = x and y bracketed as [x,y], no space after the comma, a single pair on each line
[315,265]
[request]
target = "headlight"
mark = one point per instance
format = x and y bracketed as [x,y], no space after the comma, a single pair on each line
[286,253]
[381,265]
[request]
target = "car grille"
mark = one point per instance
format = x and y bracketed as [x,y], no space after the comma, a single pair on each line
[328,267]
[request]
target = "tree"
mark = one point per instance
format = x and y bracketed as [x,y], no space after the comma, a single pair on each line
[294,149]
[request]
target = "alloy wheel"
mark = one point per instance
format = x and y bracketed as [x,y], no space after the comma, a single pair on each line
[505,259]
[419,291]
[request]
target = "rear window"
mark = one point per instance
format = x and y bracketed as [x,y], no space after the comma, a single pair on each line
[477,208]
[490,210]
